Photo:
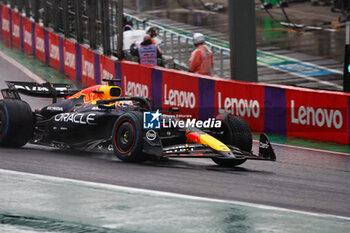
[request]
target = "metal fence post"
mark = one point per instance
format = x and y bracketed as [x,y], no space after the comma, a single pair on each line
[106,40]
[221,63]
[346,76]
[186,50]
[120,29]
[20,5]
[56,13]
[78,21]
[164,42]
[92,12]
[242,40]
[171,44]
[46,14]
[65,19]
[36,7]
[179,48]
[27,8]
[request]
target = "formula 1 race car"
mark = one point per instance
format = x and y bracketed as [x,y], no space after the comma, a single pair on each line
[98,117]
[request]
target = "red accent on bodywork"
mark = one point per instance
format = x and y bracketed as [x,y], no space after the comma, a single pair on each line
[88,94]
[193,137]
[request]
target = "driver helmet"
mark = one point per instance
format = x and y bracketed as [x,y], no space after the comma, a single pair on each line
[123,105]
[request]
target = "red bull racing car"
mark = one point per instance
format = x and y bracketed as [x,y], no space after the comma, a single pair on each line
[99,117]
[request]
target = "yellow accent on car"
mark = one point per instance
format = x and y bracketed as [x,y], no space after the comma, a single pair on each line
[110,91]
[98,92]
[215,144]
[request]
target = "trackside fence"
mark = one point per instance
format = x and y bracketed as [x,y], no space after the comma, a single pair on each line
[180,46]
[94,22]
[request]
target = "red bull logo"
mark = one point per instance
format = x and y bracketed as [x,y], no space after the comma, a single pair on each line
[96,93]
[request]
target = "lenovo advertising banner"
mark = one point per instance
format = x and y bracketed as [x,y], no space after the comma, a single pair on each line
[16,29]
[28,36]
[40,47]
[180,89]
[245,100]
[317,115]
[136,79]
[55,57]
[107,68]
[70,59]
[5,24]
[89,72]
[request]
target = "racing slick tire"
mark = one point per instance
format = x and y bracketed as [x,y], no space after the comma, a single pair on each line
[16,123]
[236,133]
[127,137]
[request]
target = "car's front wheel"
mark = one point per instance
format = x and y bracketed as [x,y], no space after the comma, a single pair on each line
[127,137]
[236,132]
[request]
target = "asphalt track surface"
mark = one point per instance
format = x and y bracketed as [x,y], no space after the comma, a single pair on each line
[301,179]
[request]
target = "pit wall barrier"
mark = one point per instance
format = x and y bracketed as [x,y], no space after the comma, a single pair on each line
[319,115]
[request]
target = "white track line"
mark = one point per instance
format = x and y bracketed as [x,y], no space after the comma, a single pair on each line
[308,149]
[166,194]
[22,68]
[310,78]
[300,61]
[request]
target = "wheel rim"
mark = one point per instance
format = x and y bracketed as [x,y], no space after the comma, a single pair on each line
[125,136]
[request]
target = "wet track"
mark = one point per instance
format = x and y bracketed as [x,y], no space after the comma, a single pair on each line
[301,179]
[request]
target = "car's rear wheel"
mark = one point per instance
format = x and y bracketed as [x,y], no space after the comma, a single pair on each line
[236,132]
[127,137]
[16,123]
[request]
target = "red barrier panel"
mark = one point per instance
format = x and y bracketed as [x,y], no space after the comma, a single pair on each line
[107,68]
[54,50]
[137,79]
[5,25]
[28,35]
[317,115]
[88,67]
[16,25]
[180,89]
[69,54]
[241,99]
[40,43]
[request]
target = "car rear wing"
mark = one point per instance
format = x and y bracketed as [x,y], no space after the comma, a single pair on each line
[45,90]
